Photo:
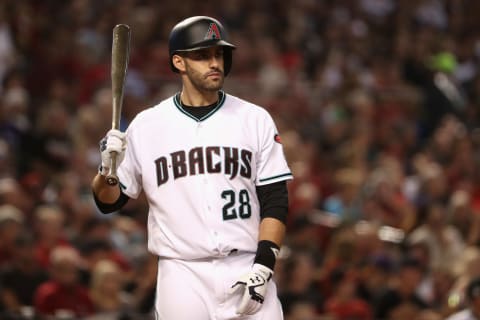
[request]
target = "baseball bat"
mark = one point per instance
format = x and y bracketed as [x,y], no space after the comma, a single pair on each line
[120,55]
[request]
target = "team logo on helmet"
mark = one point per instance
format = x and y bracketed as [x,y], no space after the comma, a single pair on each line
[213,32]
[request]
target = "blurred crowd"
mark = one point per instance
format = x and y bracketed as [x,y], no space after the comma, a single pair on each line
[377,103]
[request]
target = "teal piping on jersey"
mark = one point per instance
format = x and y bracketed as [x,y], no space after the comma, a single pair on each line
[275,177]
[178,104]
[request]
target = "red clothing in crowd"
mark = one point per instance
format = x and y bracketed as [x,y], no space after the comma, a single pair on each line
[352,309]
[42,252]
[51,297]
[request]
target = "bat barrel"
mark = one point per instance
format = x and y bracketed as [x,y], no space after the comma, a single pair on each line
[120,55]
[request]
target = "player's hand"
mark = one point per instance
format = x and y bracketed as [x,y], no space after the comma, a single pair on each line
[114,141]
[253,288]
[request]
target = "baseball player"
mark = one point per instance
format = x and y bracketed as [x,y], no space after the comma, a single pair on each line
[213,170]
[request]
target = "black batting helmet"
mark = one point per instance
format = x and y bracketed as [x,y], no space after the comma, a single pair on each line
[199,32]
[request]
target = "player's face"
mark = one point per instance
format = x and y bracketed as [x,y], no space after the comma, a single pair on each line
[204,68]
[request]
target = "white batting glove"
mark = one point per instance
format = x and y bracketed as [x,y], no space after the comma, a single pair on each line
[114,141]
[253,287]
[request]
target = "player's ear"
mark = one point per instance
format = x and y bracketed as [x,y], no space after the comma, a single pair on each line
[178,62]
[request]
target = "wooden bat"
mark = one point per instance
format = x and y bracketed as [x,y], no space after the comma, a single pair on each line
[120,55]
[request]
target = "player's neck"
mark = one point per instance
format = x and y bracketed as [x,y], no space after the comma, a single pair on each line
[198,99]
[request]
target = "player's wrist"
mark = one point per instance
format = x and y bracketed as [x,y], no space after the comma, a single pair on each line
[267,252]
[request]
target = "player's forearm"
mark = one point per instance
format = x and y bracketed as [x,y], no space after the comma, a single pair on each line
[270,238]
[272,229]
[105,192]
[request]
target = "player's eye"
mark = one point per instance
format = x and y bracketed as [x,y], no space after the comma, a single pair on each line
[205,54]
[219,53]
[198,55]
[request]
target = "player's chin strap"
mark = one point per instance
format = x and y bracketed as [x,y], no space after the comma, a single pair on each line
[267,253]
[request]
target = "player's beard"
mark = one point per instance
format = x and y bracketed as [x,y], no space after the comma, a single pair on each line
[202,82]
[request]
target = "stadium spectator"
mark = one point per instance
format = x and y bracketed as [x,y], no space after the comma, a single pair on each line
[107,292]
[22,276]
[11,225]
[472,309]
[49,232]
[444,242]
[401,298]
[344,303]
[63,296]
[300,283]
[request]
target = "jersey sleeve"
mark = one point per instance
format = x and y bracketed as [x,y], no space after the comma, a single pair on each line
[272,165]
[129,172]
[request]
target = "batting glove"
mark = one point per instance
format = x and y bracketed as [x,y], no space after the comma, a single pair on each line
[253,287]
[114,141]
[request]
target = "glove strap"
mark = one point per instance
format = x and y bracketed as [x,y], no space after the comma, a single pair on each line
[267,252]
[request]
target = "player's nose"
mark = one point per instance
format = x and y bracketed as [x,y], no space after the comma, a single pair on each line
[214,62]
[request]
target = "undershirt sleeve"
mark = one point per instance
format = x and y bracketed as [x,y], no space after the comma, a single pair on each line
[273,200]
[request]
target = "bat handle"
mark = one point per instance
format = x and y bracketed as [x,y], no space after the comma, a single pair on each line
[112,178]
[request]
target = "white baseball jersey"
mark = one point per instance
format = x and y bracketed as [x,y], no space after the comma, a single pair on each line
[200,175]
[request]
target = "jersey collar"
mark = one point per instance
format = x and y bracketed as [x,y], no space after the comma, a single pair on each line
[178,104]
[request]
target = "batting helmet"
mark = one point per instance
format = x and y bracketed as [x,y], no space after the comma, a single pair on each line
[199,32]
